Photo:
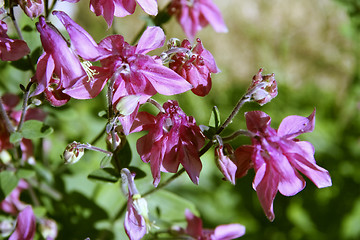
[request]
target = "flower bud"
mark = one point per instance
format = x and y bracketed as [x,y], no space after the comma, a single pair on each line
[263,88]
[48,229]
[72,153]
[225,160]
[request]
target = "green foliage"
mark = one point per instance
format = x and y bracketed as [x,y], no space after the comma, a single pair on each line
[8,181]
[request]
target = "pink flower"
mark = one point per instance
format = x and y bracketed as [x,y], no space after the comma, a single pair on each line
[60,74]
[25,225]
[10,101]
[173,138]
[110,8]
[223,232]
[11,49]
[226,161]
[195,64]
[12,204]
[32,8]
[277,157]
[193,15]
[263,88]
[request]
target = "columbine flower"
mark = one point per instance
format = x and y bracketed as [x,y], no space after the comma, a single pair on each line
[25,225]
[173,138]
[32,8]
[223,232]
[263,88]
[195,64]
[225,159]
[110,8]
[193,15]
[11,49]
[60,74]
[277,157]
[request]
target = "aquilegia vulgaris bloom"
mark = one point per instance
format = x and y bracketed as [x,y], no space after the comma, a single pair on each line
[173,138]
[193,15]
[277,157]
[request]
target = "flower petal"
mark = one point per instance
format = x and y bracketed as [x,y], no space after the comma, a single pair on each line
[213,15]
[25,225]
[229,231]
[149,6]
[151,39]
[293,126]
[257,121]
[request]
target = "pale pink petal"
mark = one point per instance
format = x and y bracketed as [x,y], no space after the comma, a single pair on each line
[151,39]
[25,225]
[124,7]
[227,166]
[293,126]
[211,12]
[164,80]
[135,226]
[229,231]
[149,6]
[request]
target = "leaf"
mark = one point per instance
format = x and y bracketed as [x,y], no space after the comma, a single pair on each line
[8,181]
[139,173]
[33,129]
[122,158]
[25,173]
[15,137]
[209,132]
[169,207]
[22,64]
[215,118]
[105,174]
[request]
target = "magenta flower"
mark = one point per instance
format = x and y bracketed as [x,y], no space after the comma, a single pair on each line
[110,8]
[193,15]
[32,8]
[173,138]
[60,74]
[11,49]
[226,161]
[223,232]
[195,64]
[277,157]
[25,225]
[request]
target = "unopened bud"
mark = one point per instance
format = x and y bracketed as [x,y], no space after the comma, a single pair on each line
[73,153]
[48,228]
[263,88]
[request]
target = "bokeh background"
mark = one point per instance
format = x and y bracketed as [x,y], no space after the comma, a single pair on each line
[313,49]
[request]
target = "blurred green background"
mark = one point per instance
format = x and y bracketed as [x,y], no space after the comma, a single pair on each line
[313,49]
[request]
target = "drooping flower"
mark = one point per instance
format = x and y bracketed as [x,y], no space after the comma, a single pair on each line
[32,8]
[25,225]
[11,49]
[195,64]
[60,74]
[193,15]
[110,8]
[277,157]
[226,161]
[263,88]
[172,138]
[222,232]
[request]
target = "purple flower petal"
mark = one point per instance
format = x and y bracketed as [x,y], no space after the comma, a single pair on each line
[292,126]
[257,121]
[151,39]
[25,225]
[229,231]
[213,15]
[149,6]
[135,226]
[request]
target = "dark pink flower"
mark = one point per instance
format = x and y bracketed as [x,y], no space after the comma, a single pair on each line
[223,232]
[277,157]
[60,74]
[173,138]
[193,15]
[25,225]
[110,8]
[195,64]
[11,49]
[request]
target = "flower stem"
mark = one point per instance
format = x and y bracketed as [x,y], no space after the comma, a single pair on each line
[24,106]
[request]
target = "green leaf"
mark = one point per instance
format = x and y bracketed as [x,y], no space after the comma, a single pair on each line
[8,181]
[209,132]
[25,173]
[22,64]
[35,129]
[139,173]
[215,118]
[15,137]
[105,174]
[169,207]
[122,157]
